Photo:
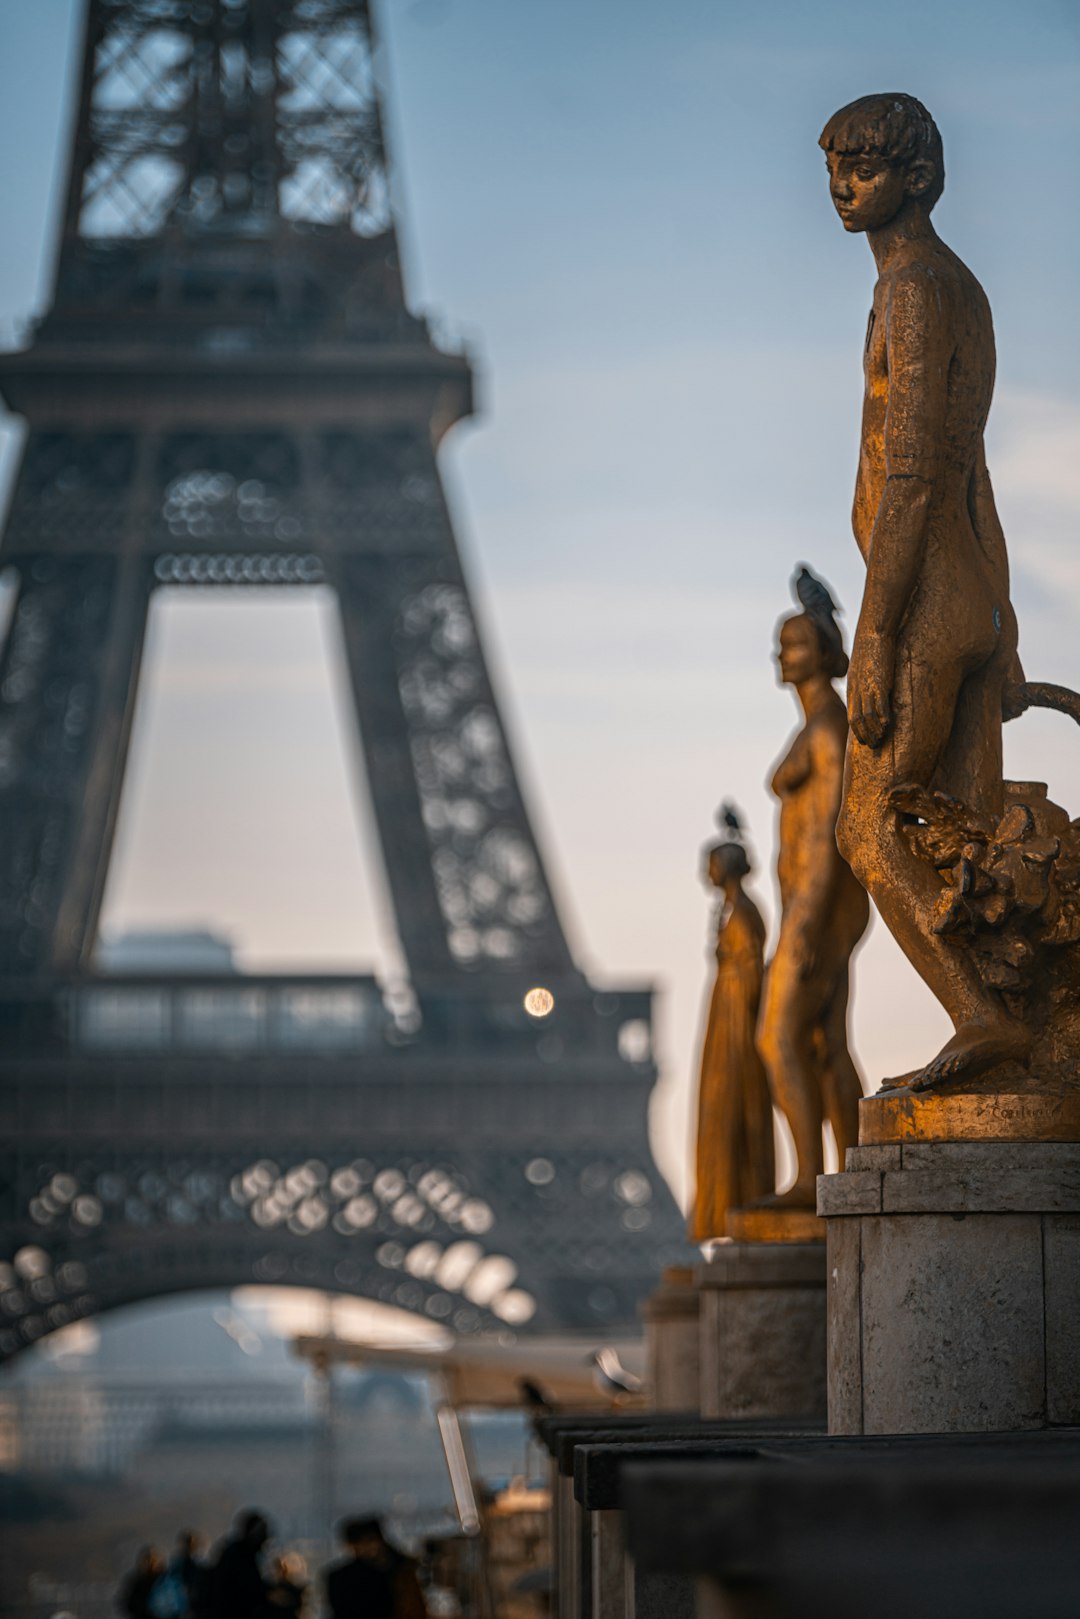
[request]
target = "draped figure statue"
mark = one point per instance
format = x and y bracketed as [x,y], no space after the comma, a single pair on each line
[734,1129]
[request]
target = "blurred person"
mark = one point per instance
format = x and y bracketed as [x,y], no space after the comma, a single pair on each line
[180,1592]
[237,1589]
[288,1588]
[192,1569]
[361,1585]
[133,1597]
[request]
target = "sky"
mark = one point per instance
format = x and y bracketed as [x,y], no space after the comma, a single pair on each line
[621,210]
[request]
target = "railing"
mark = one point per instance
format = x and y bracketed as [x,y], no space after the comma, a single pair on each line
[284,1015]
[223,1015]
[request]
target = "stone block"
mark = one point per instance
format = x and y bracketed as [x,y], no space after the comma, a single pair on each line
[982,1189]
[763,1264]
[850,1192]
[1055,1157]
[608,1573]
[952,1323]
[884,1157]
[672,1334]
[1061,1270]
[663,1596]
[844,1328]
[763,1352]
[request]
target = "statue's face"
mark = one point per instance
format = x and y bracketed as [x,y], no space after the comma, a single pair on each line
[867,191]
[716,870]
[798,652]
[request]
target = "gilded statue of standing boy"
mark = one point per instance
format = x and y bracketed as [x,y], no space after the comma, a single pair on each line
[934,665]
[802,1030]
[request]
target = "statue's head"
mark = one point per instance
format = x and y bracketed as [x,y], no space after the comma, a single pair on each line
[726,862]
[810,643]
[883,152]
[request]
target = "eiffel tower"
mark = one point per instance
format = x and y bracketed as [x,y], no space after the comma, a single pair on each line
[229,392]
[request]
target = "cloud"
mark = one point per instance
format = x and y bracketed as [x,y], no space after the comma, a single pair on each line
[1034,454]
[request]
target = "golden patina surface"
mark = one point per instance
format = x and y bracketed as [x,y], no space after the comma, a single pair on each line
[775,1224]
[734,1152]
[977,879]
[802,1030]
[969,1116]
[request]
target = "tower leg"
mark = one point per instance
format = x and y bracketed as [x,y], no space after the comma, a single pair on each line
[67,695]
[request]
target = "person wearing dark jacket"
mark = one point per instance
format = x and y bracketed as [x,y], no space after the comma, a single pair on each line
[133,1597]
[237,1588]
[361,1585]
[192,1570]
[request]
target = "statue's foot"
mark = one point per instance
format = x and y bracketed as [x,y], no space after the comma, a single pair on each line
[973,1049]
[904,1083]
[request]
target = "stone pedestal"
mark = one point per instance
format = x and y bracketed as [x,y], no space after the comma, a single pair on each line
[954,1284]
[763,1310]
[671,1341]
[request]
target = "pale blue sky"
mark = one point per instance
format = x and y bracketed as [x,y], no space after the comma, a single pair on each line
[622,208]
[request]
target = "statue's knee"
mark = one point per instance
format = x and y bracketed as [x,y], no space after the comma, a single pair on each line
[768,1046]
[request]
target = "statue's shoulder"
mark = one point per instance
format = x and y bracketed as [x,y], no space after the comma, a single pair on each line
[916,281]
[829,733]
[925,282]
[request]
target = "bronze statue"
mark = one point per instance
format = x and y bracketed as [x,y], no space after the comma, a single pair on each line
[977,879]
[802,1029]
[735,1128]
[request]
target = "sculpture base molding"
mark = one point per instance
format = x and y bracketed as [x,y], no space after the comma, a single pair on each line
[775,1225]
[954,1287]
[972,1115]
[672,1337]
[763,1311]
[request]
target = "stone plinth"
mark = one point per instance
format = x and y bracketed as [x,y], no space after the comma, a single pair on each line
[954,1292]
[763,1311]
[671,1341]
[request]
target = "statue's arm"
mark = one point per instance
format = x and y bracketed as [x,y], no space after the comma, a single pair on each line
[918,349]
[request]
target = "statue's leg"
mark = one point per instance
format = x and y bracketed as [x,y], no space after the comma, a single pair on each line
[928,744]
[787,1048]
[841,1085]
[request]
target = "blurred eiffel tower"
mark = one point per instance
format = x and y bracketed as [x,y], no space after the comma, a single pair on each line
[229,391]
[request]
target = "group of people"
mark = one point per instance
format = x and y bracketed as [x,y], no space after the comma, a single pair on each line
[373,1580]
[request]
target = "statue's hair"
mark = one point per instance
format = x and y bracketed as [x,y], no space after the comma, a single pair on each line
[818,606]
[896,127]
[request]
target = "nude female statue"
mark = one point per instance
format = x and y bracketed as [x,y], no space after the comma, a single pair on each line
[802,1030]
[735,1163]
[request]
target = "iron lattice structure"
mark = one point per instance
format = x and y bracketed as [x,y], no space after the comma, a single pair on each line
[229,391]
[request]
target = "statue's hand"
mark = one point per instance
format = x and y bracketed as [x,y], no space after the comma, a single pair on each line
[870,682]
